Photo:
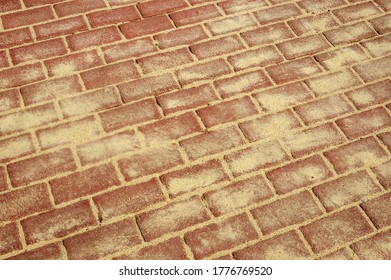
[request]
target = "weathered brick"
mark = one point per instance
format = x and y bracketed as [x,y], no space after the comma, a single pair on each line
[384,4]
[278,13]
[19,76]
[341,57]
[95,37]
[10,5]
[128,50]
[378,210]
[156,7]
[146,26]
[29,17]
[33,3]
[356,12]
[15,37]
[350,33]
[342,254]
[3,179]
[379,46]
[313,23]
[182,36]
[9,238]
[60,27]
[230,24]
[217,47]
[375,69]
[121,2]
[319,6]
[47,252]
[78,7]
[303,46]
[4,59]
[376,247]
[371,94]
[382,24]
[234,6]
[383,174]
[267,35]
[12,148]
[195,15]
[386,139]
[113,16]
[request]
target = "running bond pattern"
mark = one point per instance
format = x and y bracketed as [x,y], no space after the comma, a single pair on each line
[190,129]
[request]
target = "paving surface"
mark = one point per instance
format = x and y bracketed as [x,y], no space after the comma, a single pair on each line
[195,129]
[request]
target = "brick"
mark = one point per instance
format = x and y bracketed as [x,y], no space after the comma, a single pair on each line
[287,246]
[60,27]
[128,50]
[15,37]
[212,142]
[349,33]
[170,128]
[121,2]
[146,26]
[255,58]
[164,61]
[386,139]
[29,17]
[110,74]
[335,230]
[23,202]
[9,238]
[3,59]
[195,15]
[10,5]
[113,16]
[102,241]
[345,190]
[383,174]
[238,195]
[95,37]
[230,24]
[156,7]
[77,7]
[303,46]
[375,69]
[323,109]
[50,89]
[273,125]
[129,199]
[32,3]
[376,247]
[9,100]
[171,218]
[182,36]
[342,254]
[152,160]
[267,35]
[342,57]
[194,177]
[282,97]
[378,210]
[319,6]
[382,24]
[355,155]
[3,179]
[313,139]
[58,222]
[131,114]
[299,174]
[19,76]
[356,12]
[256,157]
[379,46]
[228,111]
[40,167]
[26,119]
[313,24]
[220,236]
[12,148]
[293,70]
[68,64]
[278,13]
[47,252]
[384,4]
[217,47]
[107,147]
[246,82]
[234,6]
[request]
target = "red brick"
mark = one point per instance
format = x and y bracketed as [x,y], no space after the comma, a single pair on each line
[166,60]
[203,71]
[350,33]
[221,236]
[382,24]
[157,7]
[95,37]
[171,218]
[356,12]
[108,147]
[113,16]
[227,111]
[386,139]
[356,154]
[78,7]
[10,5]
[129,199]
[303,46]
[255,58]
[342,57]
[50,89]
[299,174]
[9,100]
[293,70]
[60,27]
[129,50]
[246,82]
[256,157]
[103,241]
[335,230]
[32,3]
[383,174]
[41,167]
[110,74]
[58,222]
[238,195]
[375,69]
[380,46]
[319,6]
[194,177]
[278,13]
[384,4]
[313,23]
[131,114]
[182,36]
[47,252]
[146,26]
[195,15]
[23,202]
[217,47]
[152,160]
[170,128]
[230,24]
[73,63]
[15,37]
[19,76]
[376,247]
[342,254]
[234,6]
[345,190]
[12,148]
[29,17]
[3,179]
[287,246]
[313,139]
[273,125]
[267,35]
[3,59]
[28,118]
[9,238]
[378,210]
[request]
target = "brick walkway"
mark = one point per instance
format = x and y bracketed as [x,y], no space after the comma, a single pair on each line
[191,129]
